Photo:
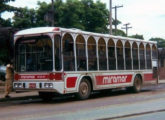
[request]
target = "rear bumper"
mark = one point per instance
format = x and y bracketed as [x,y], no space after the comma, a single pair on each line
[39,86]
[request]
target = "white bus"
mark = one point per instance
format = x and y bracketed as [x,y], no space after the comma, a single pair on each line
[58,60]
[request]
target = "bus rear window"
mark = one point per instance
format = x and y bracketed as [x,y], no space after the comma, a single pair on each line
[33,54]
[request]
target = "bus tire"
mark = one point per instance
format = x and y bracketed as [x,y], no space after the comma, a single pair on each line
[46,96]
[84,89]
[137,84]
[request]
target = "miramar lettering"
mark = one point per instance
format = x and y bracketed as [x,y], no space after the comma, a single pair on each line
[114,79]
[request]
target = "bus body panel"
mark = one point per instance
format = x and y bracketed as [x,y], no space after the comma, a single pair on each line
[58,87]
[71,81]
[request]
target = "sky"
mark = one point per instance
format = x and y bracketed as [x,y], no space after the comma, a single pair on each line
[146,17]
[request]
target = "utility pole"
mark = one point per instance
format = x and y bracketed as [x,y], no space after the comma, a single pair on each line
[116,7]
[110,17]
[126,27]
[52,13]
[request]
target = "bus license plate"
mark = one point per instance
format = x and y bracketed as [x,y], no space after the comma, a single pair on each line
[32,85]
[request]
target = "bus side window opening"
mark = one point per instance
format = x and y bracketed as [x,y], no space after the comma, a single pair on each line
[68,53]
[58,63]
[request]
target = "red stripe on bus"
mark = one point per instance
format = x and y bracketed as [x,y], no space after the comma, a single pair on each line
[51,76]
[149,77]
[71,82]
[113,79]
[30,77]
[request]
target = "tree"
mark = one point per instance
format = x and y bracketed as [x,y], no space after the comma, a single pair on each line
[41,13]
[160,41]
[6,32]
[84,14]
[95,17]
[137,36]
[24,18]
[116,22]
[3,8]
[119,32]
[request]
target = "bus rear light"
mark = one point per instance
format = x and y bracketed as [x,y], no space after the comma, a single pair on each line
[51,76]
[58,76]
[56,29]
[16,77]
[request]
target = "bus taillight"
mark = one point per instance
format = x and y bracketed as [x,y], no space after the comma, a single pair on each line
[51,76]
[16,76]
[58,76]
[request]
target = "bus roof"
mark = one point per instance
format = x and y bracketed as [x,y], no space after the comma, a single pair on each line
[40,30]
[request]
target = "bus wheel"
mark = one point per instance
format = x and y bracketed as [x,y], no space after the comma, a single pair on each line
[137,84]
[46,96]
[84,90]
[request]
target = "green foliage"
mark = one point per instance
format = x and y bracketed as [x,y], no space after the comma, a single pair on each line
[82,14]
[41,12]
[119,33]
[24,18]
[137,36]
[114,22]
[95,16]
[3,8]
[6,23]
[160,41]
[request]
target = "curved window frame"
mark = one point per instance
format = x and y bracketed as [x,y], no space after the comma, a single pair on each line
[120,55]
[57,52]
[128,59]
[68,52]
[142,56]
[92,54]
[154,52]
[135,56]
[111,55]
[81,53]
[102,54]
[148,56]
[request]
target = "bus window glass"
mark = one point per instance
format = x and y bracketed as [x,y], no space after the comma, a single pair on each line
[68,53]
[148,56]
[128,59]
[81,54]
[92,59]
[34,54]
[120,60]
[111,55]
[135,56]
[154,52]
[102,55]
[142,57]
[57,51]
